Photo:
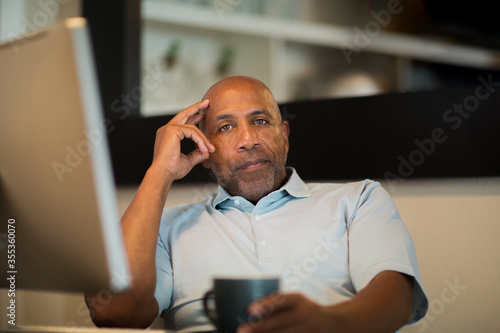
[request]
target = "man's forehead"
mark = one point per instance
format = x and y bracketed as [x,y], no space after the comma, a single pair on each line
[229,114]
[231,92]
[240,100]
[234,96]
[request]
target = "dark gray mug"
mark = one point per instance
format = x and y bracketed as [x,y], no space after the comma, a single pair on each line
[226,304]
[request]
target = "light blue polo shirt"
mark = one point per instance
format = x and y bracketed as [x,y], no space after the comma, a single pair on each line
[327,241]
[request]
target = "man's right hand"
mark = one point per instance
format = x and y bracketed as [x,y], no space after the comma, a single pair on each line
[167,150]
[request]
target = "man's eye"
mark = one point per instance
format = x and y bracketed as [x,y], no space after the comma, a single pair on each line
[261,121]
[226,127]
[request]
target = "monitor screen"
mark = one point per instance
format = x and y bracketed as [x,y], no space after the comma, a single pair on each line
[59,227]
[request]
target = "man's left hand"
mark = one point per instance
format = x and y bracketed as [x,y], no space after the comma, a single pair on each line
[288,313]
[384,305]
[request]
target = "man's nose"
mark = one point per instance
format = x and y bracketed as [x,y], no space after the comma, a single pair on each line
[247,138]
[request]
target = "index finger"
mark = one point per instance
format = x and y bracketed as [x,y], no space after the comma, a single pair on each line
[273,303]
[183,116]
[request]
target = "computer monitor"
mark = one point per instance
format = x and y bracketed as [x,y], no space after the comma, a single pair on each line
[59,227]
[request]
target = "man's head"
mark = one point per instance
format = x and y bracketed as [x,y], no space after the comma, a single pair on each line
[244,124]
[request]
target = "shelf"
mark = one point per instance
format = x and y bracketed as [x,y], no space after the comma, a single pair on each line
[351,39]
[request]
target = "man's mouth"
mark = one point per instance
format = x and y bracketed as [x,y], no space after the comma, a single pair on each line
[254,164]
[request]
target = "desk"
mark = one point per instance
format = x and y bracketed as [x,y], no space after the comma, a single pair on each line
[69,329]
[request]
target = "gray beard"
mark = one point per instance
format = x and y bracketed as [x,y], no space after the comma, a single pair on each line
[252,191]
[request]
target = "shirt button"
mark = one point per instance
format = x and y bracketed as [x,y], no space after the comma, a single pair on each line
[258,218]
[237,202]
[263,242]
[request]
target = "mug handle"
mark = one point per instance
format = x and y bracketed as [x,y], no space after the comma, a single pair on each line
[211,313]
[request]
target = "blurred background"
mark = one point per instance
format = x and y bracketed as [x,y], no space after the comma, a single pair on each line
[314,49]
[301,49]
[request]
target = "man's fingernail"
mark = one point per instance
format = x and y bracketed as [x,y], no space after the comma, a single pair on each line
[255,309]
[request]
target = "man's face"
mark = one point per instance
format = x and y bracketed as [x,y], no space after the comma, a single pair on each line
[250,138]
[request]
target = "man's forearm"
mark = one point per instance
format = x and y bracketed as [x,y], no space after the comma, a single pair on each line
[384,305]
[140,226]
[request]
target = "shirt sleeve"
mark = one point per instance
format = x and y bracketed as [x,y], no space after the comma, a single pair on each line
[164,276]
[379,241]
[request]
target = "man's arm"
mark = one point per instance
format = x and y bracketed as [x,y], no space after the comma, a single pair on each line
[140,224]
[384,305]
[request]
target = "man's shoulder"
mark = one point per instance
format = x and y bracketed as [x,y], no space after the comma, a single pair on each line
[355,192]
[186,211]
[343,188]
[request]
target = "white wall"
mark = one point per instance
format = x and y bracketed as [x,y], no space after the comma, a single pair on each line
[455,225]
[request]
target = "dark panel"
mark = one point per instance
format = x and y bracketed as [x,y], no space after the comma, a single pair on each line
[469,23]
[115,28]
[397,135]
[394,135]
[132,152]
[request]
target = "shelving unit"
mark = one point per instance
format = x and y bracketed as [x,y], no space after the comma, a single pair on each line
[291,56]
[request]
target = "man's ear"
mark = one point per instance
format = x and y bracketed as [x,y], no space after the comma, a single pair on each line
[285,131]
[207,164]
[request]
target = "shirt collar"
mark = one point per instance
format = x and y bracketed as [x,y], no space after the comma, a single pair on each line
[294,187]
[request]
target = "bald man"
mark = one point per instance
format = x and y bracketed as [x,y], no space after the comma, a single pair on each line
[263,220]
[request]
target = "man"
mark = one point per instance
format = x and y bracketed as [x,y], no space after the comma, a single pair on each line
[346,260]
